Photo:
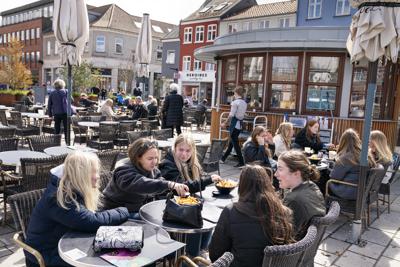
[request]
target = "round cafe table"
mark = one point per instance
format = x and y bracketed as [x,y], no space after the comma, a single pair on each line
[76,248]
[13,157]
[89,124]
[63,150]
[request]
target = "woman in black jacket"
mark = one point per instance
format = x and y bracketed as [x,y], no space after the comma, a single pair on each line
[181,165]
[152,109]
[69,203]
[173,109]
[258,147]
[257,220]
[137,180]
[309,137]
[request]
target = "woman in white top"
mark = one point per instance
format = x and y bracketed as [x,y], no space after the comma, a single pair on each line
[283,138]
[107,109]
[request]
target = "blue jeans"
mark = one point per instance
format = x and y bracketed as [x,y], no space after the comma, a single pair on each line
[134,216]
[197,242]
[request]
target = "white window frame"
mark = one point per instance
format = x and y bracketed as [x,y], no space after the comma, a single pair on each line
[32,57]
[170,59]
[17,33]
[159,53]
[211,32]
[48,50]
[199,34]
[50,11]
[100,48]
[37,56]
[343,11]
[186,61]
[5,38]
[37,33]
[1,39]
[187,35]
[28,34]
[33,33]
[23,35]
[313,7]
[55,48]
[197,64]
[13,35]
[210,67]
[263,24]
[233,27]
[247,26]
[118,41]
[284,22]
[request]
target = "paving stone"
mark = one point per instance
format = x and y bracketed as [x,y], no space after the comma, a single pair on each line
[351,259]
[387,222]
[16,259]
[343,233]
[4,252]
[393,250]
[370,250]
[377,236]
[387,262]
[325,258]
[333,246]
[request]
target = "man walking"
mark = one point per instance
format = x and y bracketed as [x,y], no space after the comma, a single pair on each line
[173,109]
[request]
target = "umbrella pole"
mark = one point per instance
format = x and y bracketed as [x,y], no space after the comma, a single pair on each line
[364,166]
[69,95]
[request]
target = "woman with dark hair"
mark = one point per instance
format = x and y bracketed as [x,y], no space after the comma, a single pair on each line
[136,179]
[257,220]
[309,137]
[303,196]
[29,99]
[257,148]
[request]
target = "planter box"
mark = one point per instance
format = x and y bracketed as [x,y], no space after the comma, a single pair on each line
[7,100]
[93,98]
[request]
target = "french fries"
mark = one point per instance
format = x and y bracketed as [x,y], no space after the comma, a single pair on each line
[226,183]
[187,200]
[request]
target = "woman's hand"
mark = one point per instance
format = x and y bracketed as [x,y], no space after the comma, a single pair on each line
[216,178]
[260,140]
[181,189]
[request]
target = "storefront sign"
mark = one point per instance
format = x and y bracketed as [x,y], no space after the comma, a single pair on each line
[197,76]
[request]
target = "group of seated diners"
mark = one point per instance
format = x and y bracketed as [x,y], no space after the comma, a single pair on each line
[261,217]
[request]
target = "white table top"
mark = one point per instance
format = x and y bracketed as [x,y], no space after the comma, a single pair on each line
[34,115]
[92,124]
[62,150]
[13,157]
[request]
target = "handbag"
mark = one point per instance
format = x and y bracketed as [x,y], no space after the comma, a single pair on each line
[184,214]
[128,237]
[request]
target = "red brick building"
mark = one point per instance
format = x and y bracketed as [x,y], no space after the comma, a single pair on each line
[197,78]
[26,24]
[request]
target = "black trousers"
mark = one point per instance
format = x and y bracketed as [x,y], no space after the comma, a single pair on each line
[58,118]
[234,143]
[178,129]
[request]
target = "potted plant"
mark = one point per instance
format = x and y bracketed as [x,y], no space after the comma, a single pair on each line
[93,97]
[76,96]
[8,97]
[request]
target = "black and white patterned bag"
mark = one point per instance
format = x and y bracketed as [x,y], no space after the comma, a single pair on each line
[129,237]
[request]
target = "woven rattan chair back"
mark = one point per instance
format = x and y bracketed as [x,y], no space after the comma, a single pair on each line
[7,144]
[41,142]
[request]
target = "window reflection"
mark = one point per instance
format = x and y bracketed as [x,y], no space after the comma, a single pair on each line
[252,68]
[283,96]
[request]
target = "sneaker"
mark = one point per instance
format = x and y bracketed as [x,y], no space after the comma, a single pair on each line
[221,161]
[204,254]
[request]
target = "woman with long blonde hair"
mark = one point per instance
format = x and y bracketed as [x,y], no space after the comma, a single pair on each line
[283,138]
[70,203]
[257,220]
[181,165]
[379,148]
[347,165]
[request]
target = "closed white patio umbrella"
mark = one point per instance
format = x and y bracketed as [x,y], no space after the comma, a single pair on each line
[71,29]
[374,33]
[144,47]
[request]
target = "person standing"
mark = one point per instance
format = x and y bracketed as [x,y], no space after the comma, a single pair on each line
[173,109]
[234,121]
[103,93]
[57,107]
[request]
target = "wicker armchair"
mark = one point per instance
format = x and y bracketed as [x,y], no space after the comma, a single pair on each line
[3,117]
[292,254]
[22,206]
[80,133]
[108,159]
[162,134]
[224,261]
[384,188]
[7,132]
[35,175]
[107,134]
[105,178]
[149,125]
[47,126]
[8,144]
[41,142]
[22,130]
[373,195]
[212,162]
[201,152]
[349,207]
[133,135]
[321,223]
[122,136]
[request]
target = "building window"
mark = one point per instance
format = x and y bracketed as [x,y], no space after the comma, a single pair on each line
[50,11]
[284,81]
[37,56]
[30,15]
[118,45]
[27,58]
[197,65]
[314,9]
[170,57]
[263,24]
[342,7]
[159,53]
[210,67]
[18,36]
[32,34]
[27,34]
[1,39]
[247,26]
[37,33]
[33,57]
[55,48]
[100,44]
[12,19]
[9,37]
[229,66]
[211,32]
[358,91]
[187,35]
[5,38]
[13,35]
[323,81]
[251,78]
[16,19]
[45,14]
[186,63]
[22,35]
[199,34]
[23,57]
[232,27]
[48,51]
[284,22]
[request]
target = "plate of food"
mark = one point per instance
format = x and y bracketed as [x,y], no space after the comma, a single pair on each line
[314,159]
[225,186]
[189,200]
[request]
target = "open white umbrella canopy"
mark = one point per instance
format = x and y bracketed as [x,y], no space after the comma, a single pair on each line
[144,47]
[71,29]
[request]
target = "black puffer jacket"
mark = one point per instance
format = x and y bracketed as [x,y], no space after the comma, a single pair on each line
[170,171]
[132,187]
[173,109]
[302,141]
[240,232]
